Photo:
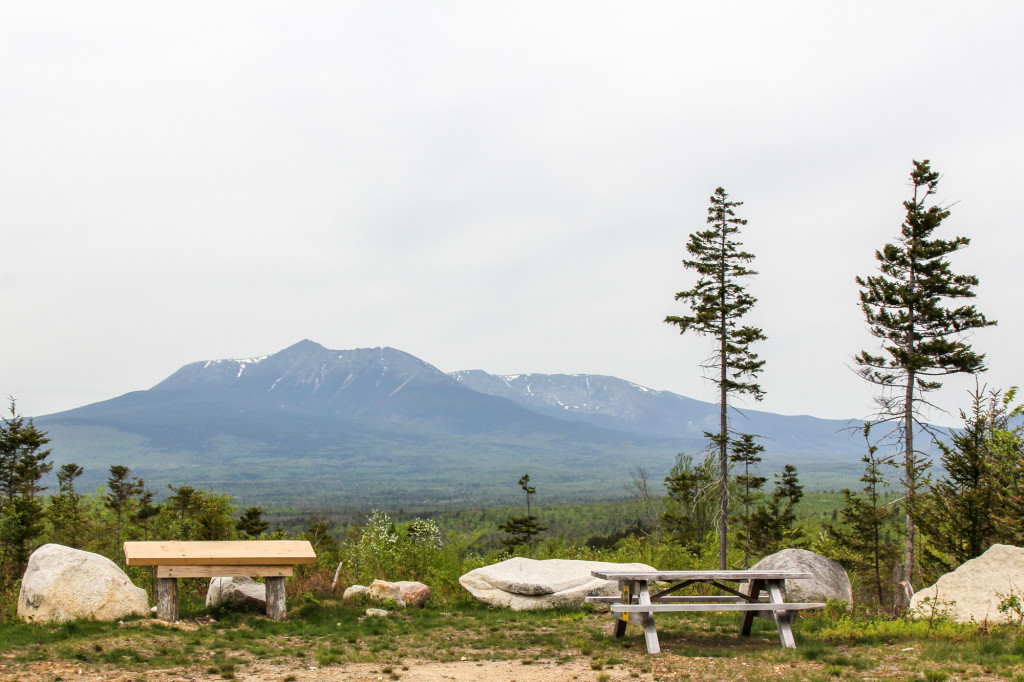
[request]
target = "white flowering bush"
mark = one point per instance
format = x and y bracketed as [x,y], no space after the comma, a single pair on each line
[378,543]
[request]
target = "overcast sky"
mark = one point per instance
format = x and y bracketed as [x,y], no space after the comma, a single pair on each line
[499,186]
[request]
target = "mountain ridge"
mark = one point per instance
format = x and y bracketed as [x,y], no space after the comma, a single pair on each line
[360,423]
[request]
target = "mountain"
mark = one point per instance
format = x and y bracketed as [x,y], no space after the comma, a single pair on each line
[620,405]
[314,427]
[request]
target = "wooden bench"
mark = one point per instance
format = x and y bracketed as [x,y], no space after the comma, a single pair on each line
[637,600]
[271,559]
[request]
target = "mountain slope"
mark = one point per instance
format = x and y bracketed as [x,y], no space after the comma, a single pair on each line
[310,426]
[624,406]
[345,426]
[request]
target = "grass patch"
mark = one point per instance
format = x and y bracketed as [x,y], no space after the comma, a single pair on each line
[327,633]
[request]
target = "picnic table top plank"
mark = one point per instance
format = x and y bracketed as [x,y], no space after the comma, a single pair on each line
[680,576]
[219,553]
[660,607]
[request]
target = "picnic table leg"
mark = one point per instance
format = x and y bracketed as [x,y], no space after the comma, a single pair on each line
[167,599]
[626,590]
[650,630]
[782,618]
[748,616]
[275,598]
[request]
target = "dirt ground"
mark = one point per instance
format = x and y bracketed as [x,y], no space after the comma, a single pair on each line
[662,667]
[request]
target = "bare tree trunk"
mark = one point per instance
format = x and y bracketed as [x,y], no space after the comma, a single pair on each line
[723,452]
[910,480]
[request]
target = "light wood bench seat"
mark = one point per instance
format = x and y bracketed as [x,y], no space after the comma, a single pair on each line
[272,559]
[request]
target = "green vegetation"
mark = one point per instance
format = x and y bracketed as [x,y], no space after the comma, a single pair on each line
[831,644]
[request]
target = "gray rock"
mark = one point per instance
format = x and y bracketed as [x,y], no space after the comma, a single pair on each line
[354,591]
[376,613]
[524,584]
[61,583]
[237,591]
[973,591]
[829,582]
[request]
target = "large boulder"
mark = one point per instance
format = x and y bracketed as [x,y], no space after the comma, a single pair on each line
[413,593]
[973,591]
[524,584]
[62,583]
[829,582]
[382,590]
[237,591]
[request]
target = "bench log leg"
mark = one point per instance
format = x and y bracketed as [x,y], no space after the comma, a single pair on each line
[782,618]
[748,616]
[167,599]
[275,599]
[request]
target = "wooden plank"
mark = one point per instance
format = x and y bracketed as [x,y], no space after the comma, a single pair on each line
[782,619]
[680,576]
[223,571]
[625,597]
[757,606]
[650,629]
[219,553]
[747,621]
[710,599]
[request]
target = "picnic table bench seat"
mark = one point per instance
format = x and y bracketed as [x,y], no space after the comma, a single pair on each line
[272,559]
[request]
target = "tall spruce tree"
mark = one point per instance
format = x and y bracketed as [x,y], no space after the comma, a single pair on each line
[922,337]
[718,302]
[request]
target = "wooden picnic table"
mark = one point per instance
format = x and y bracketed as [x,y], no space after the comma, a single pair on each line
[271,559]
[636,603]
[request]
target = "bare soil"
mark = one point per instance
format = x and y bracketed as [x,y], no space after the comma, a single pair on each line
[665,666]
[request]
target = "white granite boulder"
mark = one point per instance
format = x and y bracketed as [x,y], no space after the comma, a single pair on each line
[237,591]
[523,584]
[829,582]
[973,591]
[62,583]
[353,592]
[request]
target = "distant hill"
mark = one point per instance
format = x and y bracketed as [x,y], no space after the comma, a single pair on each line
[313,427]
